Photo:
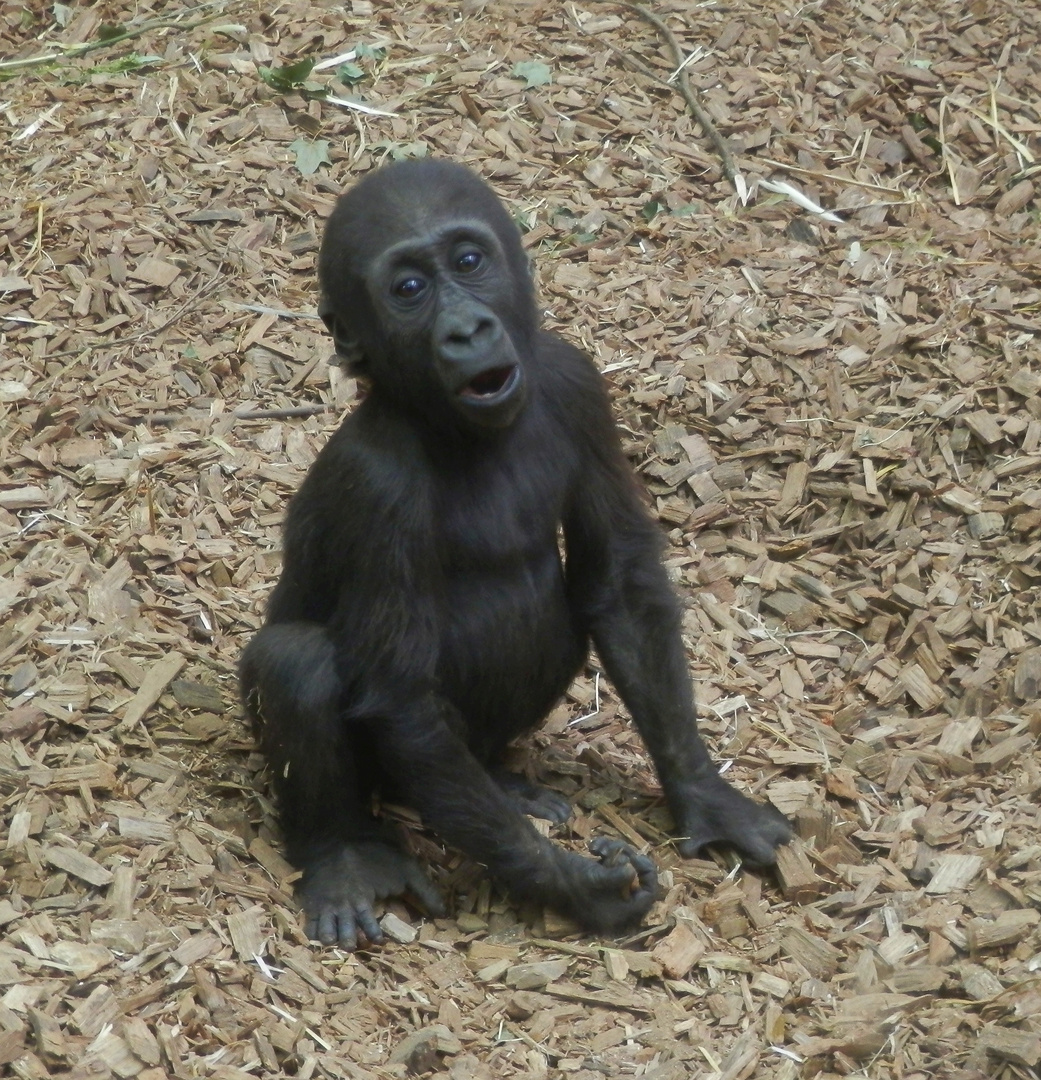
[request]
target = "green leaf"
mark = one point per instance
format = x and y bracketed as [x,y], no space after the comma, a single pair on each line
[130,62]
[651,209]
[290,77]
[533,72]
[298,72]
[525,220]
[368,52]
[310,153]
[349,74]
[408,150]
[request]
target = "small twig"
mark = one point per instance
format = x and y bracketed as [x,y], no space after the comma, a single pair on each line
[690,95]
[281,414]
[290,411]
[74,52]
[282,313]
[950,158]
[838,178]
[1000,131]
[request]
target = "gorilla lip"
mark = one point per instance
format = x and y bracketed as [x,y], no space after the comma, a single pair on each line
[492,383]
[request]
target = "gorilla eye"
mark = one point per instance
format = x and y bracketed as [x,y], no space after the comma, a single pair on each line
[468,262]
[409,288]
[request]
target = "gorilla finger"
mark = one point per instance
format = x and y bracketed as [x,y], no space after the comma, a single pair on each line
[643,865]
[647,876]
[368,925]
[347,938]
[610,851]
[425,891]
[632,872]
[761,843]
[618,877]
[555,807]
[759,852]
[332,926]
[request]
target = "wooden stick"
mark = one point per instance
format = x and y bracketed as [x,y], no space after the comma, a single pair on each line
[690,95]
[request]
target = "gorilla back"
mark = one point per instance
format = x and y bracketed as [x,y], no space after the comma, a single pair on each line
[425,617]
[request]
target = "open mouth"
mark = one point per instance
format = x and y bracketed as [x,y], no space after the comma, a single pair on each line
[490,384]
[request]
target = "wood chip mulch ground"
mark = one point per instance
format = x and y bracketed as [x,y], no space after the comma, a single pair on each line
[838,416]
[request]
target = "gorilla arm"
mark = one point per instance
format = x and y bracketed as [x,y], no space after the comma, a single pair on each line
[619,586]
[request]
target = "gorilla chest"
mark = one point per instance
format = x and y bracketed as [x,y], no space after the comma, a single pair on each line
[500,564]
[499,546]
[499,517]
[505,623]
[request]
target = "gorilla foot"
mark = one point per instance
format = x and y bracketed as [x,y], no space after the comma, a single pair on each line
[339,889]
[532,799]
[712,812]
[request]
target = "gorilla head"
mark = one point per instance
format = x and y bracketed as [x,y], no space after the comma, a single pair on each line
[427,293]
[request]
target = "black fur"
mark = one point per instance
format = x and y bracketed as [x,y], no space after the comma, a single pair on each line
[424,617]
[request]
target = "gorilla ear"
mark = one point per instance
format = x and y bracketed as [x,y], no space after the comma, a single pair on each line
[348,352]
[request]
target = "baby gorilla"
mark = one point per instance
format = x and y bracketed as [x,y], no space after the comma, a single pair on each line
[425,616]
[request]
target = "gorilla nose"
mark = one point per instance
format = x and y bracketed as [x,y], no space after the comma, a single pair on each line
[476,360]
[464,335]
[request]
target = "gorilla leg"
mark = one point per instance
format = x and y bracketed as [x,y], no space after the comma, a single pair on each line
[292,692]
[458,798]
[292,688]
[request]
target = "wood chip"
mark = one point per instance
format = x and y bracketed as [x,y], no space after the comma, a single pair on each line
[397,929]
[799,882]
[155,272]
[159,676]
[537,975]
[953,872]
[79,865]
[246,932]
[818,957]
[679,951]
[1021,1047]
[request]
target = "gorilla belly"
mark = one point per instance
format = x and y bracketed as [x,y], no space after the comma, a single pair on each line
[509,649]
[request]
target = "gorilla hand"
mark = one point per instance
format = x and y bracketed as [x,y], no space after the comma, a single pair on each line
[607,894]
[709,811]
